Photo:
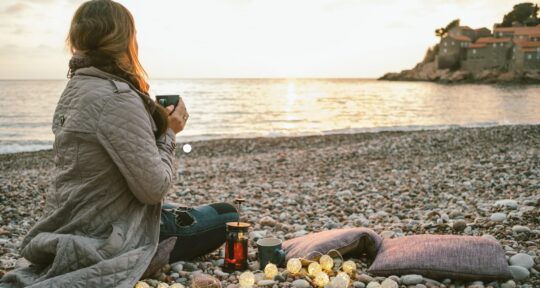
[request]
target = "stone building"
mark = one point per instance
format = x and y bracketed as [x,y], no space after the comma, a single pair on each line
[488,53]
[508,49]
[452,48]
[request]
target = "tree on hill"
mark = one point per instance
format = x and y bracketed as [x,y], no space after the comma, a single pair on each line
[523,13]
[443,31]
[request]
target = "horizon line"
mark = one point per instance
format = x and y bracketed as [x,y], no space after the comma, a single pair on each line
[209,78]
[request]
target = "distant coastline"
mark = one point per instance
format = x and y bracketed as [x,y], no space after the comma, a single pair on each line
[510,53]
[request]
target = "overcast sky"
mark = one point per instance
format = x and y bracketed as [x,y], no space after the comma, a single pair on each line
[247,38]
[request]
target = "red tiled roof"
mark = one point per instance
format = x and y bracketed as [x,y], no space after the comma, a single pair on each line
[527,44]
[492,40]
[461,38]
[517,30]
[477,45]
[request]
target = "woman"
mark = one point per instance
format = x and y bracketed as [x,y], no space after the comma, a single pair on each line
[114,151]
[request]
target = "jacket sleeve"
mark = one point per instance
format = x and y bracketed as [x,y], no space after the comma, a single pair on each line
[125,131]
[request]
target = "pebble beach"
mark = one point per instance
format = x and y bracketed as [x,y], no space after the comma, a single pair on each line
[462,181]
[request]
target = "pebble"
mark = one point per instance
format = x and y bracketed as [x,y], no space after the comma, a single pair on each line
[388,283]
[490,237]
[267,221]
[509,284]
[498,217]
[411,279]
[387,234]
[459,225]
[205,280]
[365,278]
[523,260]
[507,203]
[300,283]
[280,278]
[373,284]
[266,283]
[521,229]
[519,273]
[358,284]
[190,267]
[177,267]
[176,285]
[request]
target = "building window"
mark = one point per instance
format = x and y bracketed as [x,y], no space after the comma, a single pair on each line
[444,50]
[444,43]
[473,51]
[452,43]
[529,56]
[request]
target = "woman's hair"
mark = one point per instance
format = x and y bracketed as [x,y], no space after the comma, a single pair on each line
[105,29]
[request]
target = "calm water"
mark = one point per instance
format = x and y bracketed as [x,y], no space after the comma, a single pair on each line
[274,107]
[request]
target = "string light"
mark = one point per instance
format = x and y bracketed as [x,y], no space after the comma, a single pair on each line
[326,262]
[349,267]
[294,265]
[321,279]
[314,268]
[341,280]
[270,271]
[246,279]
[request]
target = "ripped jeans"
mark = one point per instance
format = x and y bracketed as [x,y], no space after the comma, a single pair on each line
[199,230]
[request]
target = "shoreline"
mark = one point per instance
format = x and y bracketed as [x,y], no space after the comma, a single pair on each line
[394,182]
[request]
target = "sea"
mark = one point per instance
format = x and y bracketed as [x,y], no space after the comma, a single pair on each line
[243,108]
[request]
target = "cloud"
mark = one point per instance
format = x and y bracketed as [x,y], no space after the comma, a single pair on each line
[16,8]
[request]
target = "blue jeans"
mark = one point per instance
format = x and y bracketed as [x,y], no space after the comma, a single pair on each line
[199,230]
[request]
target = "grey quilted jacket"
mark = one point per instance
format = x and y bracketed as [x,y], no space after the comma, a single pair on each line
[101,219]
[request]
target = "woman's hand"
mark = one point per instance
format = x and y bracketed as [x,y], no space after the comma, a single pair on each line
[177,117]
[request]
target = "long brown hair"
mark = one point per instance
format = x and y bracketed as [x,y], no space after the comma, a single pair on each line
[106,29]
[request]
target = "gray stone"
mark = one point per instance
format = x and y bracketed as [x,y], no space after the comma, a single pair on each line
[188,266]
[521,229]
[459,225]
[420,286]
[387,234]
[389,283]
[358,284]
[365,278]
[267,221]
[498,217]
[373,284]
[177,267]
[509,284]
[507,203]
[266,283]
[519,273]
[280,278]
[411,279]
[523,260]
[300,283]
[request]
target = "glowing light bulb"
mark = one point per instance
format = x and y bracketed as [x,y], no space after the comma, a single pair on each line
[294,265]
[246,279]
[326,262]
[186,148]
[321,279]
[270,271]
[314,268]
[349,267]
[341,280]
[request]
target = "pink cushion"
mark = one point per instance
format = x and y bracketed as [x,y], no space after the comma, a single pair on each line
[442,256]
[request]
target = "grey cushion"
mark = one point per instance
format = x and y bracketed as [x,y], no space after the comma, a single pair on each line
[442,256]
[351,240]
